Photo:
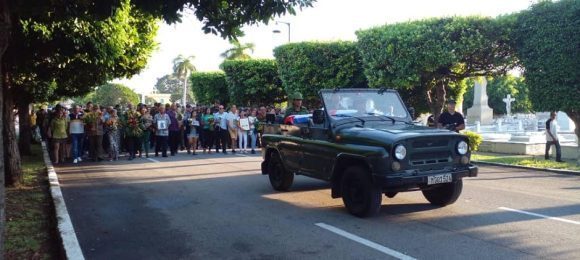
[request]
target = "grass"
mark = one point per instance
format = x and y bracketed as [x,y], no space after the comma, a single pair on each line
[525,160]
[30,223]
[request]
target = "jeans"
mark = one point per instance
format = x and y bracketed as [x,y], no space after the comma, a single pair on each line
[223,138]
[558,150]
[242,140]
[174,141]
[145,142]
[77,145]
[253,137]
[95,147]
[161,145]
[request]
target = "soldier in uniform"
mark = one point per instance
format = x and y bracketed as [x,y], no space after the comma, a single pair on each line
[296,108]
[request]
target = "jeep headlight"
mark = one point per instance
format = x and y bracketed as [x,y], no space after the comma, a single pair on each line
[462,147]
[400,152]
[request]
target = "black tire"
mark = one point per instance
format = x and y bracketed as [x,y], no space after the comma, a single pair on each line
[360,196]
[280,179]
[445,194]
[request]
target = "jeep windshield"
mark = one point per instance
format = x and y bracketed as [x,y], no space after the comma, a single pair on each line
[364,105]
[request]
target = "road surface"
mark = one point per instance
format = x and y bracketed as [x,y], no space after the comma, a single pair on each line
[220,207]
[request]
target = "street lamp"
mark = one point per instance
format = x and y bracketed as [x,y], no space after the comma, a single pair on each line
[278,31]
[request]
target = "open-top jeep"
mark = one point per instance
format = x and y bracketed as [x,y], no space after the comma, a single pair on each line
[365,144]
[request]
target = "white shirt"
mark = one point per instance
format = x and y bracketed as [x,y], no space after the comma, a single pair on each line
[553,129]
[232,120]
[221,120]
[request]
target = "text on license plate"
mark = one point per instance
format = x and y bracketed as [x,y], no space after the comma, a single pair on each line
[441,178]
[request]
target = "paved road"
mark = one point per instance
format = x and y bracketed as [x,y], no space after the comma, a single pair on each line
[220,207]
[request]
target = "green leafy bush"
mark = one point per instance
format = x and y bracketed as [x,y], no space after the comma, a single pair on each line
[475,140]
[432,57]
[253,82]
[209,86]
[307,67]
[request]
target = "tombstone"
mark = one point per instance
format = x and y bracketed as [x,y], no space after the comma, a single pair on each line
[477,127]
[508,104]
[564,122]
[480,111]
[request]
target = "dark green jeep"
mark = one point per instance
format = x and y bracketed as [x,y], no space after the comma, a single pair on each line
[365,144]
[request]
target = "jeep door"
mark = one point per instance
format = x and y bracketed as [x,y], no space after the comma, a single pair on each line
[319,153]
[290,147]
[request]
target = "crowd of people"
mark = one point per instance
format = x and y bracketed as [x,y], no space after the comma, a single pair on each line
[96,133]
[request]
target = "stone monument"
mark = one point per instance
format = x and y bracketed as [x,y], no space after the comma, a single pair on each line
[480,111]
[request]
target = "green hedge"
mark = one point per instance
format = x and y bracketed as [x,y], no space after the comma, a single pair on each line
[475,140]
[434,56]
[310,66]
[209,86]
[253,82]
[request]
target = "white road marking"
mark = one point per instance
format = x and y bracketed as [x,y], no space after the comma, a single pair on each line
[540,215]
[365,242]
[242,155]
[153,160]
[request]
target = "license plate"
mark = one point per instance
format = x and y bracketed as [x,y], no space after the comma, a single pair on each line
[442,178]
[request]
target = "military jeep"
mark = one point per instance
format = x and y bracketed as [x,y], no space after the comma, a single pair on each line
[365,144]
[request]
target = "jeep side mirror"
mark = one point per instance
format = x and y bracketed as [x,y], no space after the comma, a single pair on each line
[318,117]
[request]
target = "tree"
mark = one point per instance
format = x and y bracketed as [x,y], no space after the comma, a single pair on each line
[497,90]
[547,39]
[224,19]
[308,67]
[41,68]
[168,84]
[182,66]
[253,82]
[435,55]
[238,51]
[208,87]
[115,94]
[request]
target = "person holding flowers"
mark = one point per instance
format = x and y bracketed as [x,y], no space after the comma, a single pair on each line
[146,124]
[208,123]
[133,132]
[94,130]
[58,132]
[112,126]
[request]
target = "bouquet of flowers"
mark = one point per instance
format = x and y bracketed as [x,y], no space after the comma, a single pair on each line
[90,120]
[132,124]
[112,125]
[211,122]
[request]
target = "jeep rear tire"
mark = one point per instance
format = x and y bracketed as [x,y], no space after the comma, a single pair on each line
[280,179]
[360,196]
[444,194]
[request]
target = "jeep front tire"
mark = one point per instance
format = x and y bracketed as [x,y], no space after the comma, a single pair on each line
[360,196]
[280,179]
[444,194]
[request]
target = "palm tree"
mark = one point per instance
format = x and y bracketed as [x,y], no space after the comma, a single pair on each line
[238,51]
[182,66]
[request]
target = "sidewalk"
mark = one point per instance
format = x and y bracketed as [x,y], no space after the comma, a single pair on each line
[534,162]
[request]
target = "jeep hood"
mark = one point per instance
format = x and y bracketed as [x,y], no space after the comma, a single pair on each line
[389,134]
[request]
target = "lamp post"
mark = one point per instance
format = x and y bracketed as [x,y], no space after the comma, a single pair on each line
[278,31]
[185,88]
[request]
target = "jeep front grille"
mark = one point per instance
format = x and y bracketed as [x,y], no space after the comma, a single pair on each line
[424,158]
[430,143]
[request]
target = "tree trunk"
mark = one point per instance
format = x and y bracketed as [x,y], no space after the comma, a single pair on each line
[436,99]
[575,116]
[5,28]
[12,161]
[25,133]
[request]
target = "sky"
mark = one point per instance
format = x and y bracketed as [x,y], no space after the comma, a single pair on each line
[327,20]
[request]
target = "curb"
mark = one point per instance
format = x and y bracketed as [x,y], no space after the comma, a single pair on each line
[66,230]
[560,171]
